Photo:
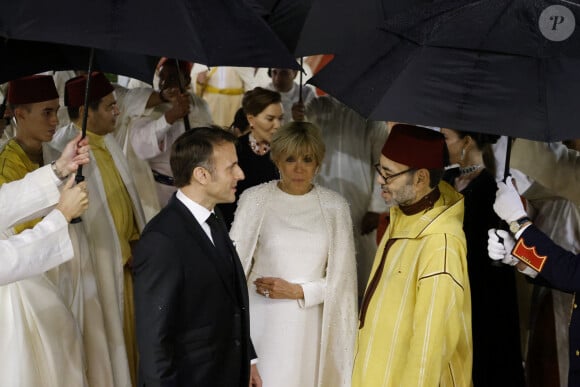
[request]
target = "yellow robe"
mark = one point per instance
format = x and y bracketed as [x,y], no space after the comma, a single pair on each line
[121,208]
[417,330]
[15,164]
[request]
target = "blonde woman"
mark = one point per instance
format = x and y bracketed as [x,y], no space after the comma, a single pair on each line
[295,240]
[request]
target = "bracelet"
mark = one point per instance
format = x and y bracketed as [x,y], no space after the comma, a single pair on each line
[55,171]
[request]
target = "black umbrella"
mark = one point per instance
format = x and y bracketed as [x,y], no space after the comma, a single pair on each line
[21,58]
[310,27]
[401,77]
[216,32]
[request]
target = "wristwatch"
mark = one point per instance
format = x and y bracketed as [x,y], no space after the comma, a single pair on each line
[517,224]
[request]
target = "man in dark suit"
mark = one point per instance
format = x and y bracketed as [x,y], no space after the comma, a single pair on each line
[191,299]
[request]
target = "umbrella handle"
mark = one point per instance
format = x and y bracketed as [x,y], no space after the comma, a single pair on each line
[78,179]
[181,90]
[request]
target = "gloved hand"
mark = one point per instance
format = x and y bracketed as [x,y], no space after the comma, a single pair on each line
[499,250]
[508,204]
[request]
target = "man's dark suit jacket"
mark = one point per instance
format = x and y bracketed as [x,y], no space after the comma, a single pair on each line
[191,306]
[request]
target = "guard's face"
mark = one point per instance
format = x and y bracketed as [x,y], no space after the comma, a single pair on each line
[102,121]
[283,79]
[225,174]
[267,122]
[297,173]
[37,121]
[397,183]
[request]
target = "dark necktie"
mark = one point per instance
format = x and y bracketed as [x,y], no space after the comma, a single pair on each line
[221,240]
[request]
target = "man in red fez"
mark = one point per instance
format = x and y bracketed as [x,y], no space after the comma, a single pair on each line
[114,218]
[44,302]
[415,319]
[34,103]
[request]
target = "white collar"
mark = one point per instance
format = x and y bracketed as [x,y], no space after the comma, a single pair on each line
[197,210]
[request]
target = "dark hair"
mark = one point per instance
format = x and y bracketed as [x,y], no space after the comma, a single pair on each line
[258,99]
[25,106]
[193,149]
[483,141]
[240,120]
[74,112]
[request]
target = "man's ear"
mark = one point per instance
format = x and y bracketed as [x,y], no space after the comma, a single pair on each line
[200,175]
[422,176]
[19,113]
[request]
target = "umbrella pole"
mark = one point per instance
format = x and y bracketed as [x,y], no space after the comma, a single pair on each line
[506,174]
[506,171]
[182,90]
[3,108]
[79,176]
[301,72]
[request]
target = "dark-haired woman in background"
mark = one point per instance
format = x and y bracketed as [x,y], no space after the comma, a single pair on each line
[264,111]
[497,359]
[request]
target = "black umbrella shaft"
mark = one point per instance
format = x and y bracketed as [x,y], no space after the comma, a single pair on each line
[508,151]
[3,108]
[506,174]
[301,72]
[182,90]
[79,176]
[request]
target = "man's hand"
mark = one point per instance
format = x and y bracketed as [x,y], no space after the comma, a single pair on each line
[298,111]
[273,287]
[169,94]
[179,108]
[508,204]
[75,153]
[500,250]
[74,199]
[500,245]
[370,221]
[255,379]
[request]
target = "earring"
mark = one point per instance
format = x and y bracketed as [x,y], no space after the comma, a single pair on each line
[462,154]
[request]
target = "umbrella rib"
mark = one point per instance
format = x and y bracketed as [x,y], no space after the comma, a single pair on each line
[570,2]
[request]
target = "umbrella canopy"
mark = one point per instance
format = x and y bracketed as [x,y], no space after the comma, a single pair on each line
[534,28]
[401,78]
[21,58]
[310,27]
[216,32]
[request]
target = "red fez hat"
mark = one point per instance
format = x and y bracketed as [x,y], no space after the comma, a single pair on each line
[74,90]
[36,88]
[184,66]
[415,146]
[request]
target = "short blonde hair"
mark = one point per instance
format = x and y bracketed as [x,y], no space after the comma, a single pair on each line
[297,139]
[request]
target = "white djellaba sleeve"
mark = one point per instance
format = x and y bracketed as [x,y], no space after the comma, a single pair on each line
[45,246]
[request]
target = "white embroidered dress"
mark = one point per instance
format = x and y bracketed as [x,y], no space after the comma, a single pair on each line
[305,239]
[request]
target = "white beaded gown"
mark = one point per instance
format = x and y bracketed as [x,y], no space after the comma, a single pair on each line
[292,245]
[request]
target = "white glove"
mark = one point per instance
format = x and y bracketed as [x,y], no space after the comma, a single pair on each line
[501,250]
[508,204]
